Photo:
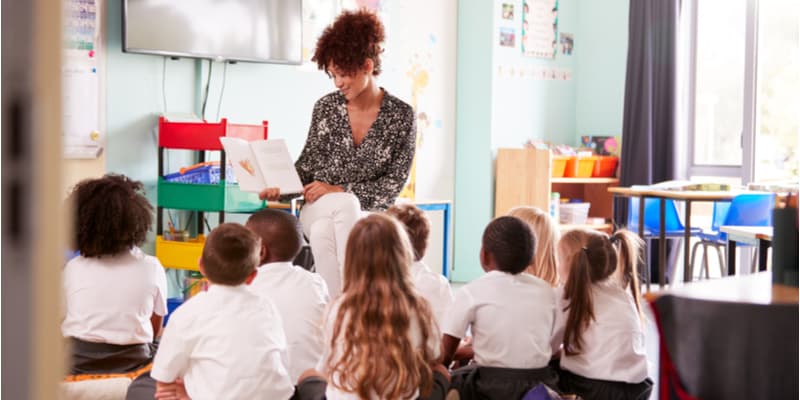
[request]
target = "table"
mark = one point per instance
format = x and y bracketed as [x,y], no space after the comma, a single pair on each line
[682,195]
[760,236]
[729,338]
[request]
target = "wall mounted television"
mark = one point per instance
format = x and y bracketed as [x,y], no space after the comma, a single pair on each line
[263,31]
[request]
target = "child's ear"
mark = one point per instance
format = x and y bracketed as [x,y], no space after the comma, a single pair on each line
[264,253]
[484,257]
[250,277]
[200,266]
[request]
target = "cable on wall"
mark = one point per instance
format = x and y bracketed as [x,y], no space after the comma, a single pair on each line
[208,83]
[222,91]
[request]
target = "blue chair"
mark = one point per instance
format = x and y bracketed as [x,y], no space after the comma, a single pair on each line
[673,226]
[748,209]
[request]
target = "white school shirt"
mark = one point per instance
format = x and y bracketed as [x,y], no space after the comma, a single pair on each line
[613,344]
[332,393]
[511,317]
[301,298]
[111,299]
[226,343]
[434,287]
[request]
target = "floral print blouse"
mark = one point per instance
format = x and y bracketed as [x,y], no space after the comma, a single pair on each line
[374,171]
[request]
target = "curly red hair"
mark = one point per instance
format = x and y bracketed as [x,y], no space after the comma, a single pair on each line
[352,39]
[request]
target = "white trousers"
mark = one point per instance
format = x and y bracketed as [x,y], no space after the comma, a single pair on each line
[327,223]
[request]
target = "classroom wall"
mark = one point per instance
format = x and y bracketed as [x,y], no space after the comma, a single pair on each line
[602,51]
[501,103]
[419,67]
[526,107]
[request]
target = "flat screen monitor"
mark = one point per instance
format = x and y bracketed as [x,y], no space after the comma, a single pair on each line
[266,31]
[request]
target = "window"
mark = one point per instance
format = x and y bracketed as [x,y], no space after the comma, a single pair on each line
[744,88]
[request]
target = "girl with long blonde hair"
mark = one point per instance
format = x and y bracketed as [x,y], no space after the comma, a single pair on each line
[603,355]
[544,264]
[383,340]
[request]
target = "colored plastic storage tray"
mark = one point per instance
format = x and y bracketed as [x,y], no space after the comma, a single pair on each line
[211,197]
[208,174]
[579,167]
[604,166]
[180,255]
[205,135]
[559,165]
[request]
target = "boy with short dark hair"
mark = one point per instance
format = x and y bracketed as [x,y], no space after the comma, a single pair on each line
[511,314]
[299,295]
[227,342]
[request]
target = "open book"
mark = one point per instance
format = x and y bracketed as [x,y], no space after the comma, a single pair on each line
[261,164]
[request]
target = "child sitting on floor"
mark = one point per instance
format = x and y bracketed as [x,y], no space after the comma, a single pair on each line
[511,314]
[432,285]
[227,342]
[114,295]
[546,234]
[300,296]
[380,337]
[604,350]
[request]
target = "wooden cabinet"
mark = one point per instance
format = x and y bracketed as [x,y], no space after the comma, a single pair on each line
[523,177]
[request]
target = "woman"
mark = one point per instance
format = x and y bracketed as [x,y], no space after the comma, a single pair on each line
[360,144]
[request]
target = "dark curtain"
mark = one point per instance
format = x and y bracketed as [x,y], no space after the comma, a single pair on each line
[649,125]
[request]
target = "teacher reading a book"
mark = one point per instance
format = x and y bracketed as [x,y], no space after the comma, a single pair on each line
[360,144]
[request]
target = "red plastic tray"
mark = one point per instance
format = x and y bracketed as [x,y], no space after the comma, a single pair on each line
[205,135]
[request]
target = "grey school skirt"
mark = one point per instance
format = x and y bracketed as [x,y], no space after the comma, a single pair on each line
[105,358]
[478,383]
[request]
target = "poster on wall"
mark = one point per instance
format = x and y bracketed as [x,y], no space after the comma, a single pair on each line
[540,28]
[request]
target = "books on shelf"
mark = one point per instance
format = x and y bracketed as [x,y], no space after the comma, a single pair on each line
[260,164]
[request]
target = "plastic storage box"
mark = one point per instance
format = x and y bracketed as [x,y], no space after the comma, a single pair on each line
[604,166]
[559,165]
[573,213]
[579,167]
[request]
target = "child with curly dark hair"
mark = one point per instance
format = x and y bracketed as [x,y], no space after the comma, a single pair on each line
[360,144]
[114,294]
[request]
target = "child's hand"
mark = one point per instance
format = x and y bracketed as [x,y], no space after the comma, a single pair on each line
[171,391]
[463,355]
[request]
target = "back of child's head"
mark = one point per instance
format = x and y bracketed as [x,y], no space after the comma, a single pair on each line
[279,233]
[510,243]
[374,320]
[416,224]
[546,233]
[593,257]
[230,254]
[111,215]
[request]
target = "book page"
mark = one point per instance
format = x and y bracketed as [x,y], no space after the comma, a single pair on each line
[276,165]
[241,157]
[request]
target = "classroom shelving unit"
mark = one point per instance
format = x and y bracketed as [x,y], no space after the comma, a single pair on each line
[524,177]
[219,197]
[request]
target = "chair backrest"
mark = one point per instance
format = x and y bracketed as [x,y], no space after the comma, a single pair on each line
[672,221]
[720,212]
[751,209]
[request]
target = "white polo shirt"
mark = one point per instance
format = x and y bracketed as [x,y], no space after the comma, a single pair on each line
[111,299]
[226,343]
[511,317]
[434,287]
[301,298]
[613,344]
[433,344]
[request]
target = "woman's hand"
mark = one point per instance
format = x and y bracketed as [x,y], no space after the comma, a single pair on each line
[317,189]
[270,194]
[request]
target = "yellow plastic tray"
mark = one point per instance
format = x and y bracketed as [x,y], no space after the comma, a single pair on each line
[180,255]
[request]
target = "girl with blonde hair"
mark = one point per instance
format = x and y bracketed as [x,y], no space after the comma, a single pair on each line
[544,264]
[603,354]
[382,339]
